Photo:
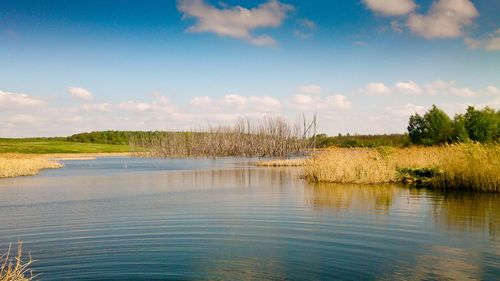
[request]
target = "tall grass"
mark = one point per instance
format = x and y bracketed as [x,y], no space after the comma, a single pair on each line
[14,268]
[13,165]
[273,137]
[462,166]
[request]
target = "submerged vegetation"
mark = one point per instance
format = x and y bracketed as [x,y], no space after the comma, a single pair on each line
[13,165]
[273,137]
[14,268]
[471,166]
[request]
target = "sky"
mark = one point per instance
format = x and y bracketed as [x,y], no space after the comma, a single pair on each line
[363,66]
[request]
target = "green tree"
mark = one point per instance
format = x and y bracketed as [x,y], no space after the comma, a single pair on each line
[459,129]
[482,125]
[435,127]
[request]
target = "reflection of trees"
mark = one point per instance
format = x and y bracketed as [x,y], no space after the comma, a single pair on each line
[469,211]
[378,198]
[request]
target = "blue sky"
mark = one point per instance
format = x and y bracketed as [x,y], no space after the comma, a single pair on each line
[363,65]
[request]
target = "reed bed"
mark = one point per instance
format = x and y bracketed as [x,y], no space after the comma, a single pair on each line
[13,165]
[272,137]
[470,166]
[14,268]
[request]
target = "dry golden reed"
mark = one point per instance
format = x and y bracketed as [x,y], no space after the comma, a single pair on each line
[14,268]
[462,166]
[13,165]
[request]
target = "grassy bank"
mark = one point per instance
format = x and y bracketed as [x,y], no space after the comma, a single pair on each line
[13,268]
[14,164]
[461,166]
[56,145]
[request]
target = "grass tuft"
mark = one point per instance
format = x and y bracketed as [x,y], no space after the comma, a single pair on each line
[14,268]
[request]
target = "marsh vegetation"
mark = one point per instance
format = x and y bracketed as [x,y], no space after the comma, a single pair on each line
[14,164]
[14,268]
[272,137]
[471,166]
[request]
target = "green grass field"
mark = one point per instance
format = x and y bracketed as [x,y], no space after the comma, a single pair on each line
[56,145]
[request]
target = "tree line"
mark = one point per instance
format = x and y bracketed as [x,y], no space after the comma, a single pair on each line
[436,127]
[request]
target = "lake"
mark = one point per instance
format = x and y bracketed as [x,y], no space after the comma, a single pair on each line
[184,219]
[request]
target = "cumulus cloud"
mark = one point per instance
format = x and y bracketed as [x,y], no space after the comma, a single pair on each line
[309,102]
[13,101]
[490,43]
[404,111]
[236,21]
[391,7]
[80,93]
[437,87]
[375,89]
[408,87]
[445,19]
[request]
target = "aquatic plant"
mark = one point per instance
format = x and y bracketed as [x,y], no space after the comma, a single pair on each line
[14,268]
[471,166]
[13,164]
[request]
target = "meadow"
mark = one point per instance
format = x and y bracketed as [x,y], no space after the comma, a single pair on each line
[56,145]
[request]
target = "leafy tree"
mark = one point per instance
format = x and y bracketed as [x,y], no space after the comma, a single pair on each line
[459,129]
[482,125]
[434,127]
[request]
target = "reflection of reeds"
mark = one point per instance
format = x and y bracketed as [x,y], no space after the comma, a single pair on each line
[14,268]
[462,166]
[378,198]
[13,165]
[282,163]
[273,137]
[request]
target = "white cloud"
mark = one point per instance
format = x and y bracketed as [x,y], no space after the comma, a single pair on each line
[337,102]
[438,87]
[80,93]
[404,111]
[203,101]
[314,103]
[310,89]
[134,106]
[13,101]
[247,104]
[490,43]
[445,19]
[376,89]
[408,87]
[391,7]
[101,107]
[236,21]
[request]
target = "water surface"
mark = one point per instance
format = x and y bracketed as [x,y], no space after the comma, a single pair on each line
[143,219]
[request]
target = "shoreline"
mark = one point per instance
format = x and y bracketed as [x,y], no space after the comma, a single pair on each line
[14,165]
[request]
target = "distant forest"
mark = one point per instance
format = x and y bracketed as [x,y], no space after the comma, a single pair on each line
[434,127]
